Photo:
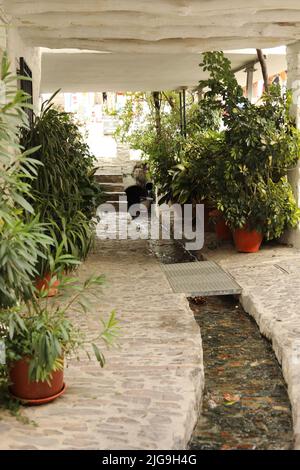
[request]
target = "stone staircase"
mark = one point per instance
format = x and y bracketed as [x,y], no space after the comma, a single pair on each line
[112,184]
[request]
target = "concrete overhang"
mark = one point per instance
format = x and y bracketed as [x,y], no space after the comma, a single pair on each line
[156,26]
[146,38]
[84,72]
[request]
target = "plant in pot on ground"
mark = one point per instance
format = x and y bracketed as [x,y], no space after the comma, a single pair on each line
[261,145]
[38,335]
[21,242]
[41,335]
[65,192]
[22,235]
[54,264]
[193,177]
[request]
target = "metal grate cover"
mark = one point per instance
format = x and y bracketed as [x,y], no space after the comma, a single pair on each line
[200,278]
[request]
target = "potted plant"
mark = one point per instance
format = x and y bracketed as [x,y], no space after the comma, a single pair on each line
[39,333]
[152,123]
[65,193]
[22,235]
[193,176]
[247,240]
[52,265]
[261,144]
[263,210]
[40,336]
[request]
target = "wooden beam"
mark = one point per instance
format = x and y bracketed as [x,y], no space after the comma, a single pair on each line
[264,69]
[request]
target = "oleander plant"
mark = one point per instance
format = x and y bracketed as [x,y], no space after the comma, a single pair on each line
[39,333]
[65,192]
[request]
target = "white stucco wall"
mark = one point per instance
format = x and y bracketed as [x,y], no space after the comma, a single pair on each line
[16,47]
[293,62]
[2,38]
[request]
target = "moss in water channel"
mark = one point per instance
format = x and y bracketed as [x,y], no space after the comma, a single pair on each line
[245,403]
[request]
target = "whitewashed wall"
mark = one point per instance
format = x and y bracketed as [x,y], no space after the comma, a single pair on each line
[11,41]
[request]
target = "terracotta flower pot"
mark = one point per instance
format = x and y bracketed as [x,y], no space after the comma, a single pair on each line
[247,241]
[222,230]
[208,207]
[43,283]
[34,392]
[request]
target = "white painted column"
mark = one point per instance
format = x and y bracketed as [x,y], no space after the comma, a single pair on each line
[249,86]
[293,62]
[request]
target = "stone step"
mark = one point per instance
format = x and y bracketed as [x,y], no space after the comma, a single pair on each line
[114,196]
[109,170]
[119,205]
[112,187]
[109,178]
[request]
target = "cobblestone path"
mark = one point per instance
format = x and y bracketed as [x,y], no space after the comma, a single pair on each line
[147,396]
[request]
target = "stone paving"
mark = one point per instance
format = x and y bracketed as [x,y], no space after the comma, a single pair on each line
[271,294]
[148,395]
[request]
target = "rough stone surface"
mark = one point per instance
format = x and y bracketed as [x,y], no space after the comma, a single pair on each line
[143,45]
[163,26]
[271,294]
[148,395]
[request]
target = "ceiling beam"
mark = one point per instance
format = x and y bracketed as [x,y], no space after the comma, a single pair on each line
[135,32]
[179,7]
[168,46]
[122,19]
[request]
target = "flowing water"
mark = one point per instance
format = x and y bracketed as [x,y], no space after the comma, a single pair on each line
[245,402]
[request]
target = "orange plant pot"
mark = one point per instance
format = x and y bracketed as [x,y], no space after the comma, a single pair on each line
[208,225]
[247,241]
[44,283]
[34,392]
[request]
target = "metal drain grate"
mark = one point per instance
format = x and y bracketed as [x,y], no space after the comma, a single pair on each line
[200,278]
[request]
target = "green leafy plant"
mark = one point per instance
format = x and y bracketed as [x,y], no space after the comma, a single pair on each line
[22,236]
[261,145]
[151,123]
[155,132]
[194,177]
[65,192]
[203,116]
[45,332]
